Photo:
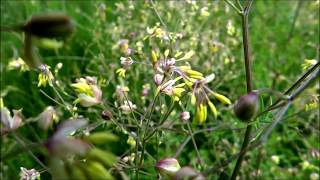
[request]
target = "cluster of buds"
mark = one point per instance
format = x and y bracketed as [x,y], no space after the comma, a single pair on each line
[124,47]
[158,32]
[89,93]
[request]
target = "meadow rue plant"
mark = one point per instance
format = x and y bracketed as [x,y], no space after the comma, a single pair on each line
[152,79]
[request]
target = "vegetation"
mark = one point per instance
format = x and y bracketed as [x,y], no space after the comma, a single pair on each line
[160,89]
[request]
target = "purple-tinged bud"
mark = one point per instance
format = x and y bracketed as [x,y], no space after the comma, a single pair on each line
[185,116]
[157,78]
[106,114]
[167,167]
[246,106]
[188,173]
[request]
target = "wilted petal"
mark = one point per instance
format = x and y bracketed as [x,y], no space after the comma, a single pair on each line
[188,173]
[68,127]
[45,119]
[16,120]
[65,147]
[86,100]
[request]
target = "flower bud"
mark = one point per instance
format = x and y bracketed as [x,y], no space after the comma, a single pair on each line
[157,78]
[168,167]
[106,114]
[185,116]
[246,106]
[49,26]
[187,173]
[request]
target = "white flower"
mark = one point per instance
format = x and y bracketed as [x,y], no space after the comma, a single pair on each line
[30,174]
[128,107]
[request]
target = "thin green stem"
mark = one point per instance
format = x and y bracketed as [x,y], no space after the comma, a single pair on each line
[233,6]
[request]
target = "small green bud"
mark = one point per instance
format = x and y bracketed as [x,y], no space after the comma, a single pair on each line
[106,158]
[49,26]
[77,173]
[246,106]
[101,138]
[95,170]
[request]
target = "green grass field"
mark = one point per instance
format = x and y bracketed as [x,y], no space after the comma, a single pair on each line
[140,81]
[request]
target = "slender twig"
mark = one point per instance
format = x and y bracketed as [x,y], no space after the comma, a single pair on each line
[233,6]
[195,145]
[158,15]
[296,14]
[245,38]
[295,84]
[29,151]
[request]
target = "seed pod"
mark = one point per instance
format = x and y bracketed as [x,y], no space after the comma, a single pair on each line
[101,138]
[49,26]
[104,157]
[77,173]
[95,170]
[246,106]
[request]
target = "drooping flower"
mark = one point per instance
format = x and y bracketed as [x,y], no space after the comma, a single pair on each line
[169,88]
[89,93]
[168,167]
[45,76]
[47,117]
[200,97]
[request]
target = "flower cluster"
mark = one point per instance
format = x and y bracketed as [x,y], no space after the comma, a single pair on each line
[174,80]
[45,76]
[89,93]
